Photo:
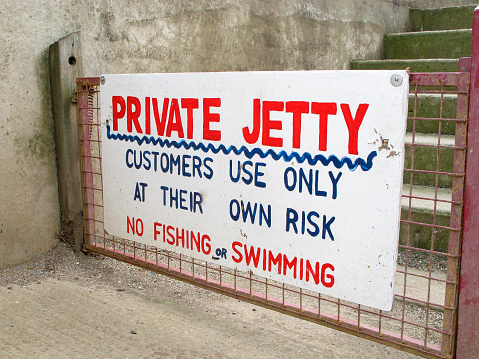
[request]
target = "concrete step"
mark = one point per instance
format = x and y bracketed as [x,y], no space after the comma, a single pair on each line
[426,211]
[431,139]
[425,158]
[449,18]
[424,201]
[421,65]
[444,44]
[429,106]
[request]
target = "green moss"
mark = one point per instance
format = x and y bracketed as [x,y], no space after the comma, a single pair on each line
[41,144]
[415,20]
[39,147]
[425,158]
[421,65]
[451,44]
[459,17]
[425,237]
[429,106]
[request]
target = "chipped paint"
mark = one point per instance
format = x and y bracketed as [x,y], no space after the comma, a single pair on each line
[384,144]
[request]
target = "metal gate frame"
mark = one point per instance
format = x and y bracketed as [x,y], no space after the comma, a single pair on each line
[468,316]
[459,334]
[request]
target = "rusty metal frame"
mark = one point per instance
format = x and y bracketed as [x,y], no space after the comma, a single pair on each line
[397,328]
[468,314]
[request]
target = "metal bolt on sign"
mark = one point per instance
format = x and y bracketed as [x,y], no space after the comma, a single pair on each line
[396,80]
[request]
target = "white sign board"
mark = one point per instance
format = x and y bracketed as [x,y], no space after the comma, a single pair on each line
[295,176]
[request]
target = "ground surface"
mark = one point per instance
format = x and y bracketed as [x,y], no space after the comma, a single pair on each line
[67,305]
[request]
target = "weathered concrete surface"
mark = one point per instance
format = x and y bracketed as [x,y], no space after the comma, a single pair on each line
[58,319]
[245,35]
[68,305]
[28,188]
[127,36]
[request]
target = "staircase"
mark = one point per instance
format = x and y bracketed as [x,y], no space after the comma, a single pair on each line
[434,42]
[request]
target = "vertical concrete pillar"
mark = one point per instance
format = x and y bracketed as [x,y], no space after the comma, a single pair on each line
[65,67]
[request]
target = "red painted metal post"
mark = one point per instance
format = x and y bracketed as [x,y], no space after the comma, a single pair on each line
[468,314]
[454,247]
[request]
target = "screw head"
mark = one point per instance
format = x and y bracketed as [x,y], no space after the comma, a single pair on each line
[396,80]
[102,80]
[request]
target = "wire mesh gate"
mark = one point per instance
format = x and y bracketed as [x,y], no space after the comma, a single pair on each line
[424,317]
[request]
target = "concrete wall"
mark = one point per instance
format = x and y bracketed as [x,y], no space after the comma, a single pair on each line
[125,36]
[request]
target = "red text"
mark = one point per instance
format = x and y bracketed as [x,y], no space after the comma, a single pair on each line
[180,237]
[173,116]
[300,268]
[262,120]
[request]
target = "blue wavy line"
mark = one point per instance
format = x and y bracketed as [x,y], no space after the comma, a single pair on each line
[338,163]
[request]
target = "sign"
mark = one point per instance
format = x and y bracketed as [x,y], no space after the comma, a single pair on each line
[295,176]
